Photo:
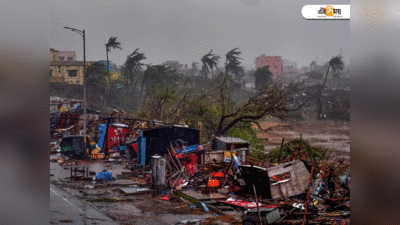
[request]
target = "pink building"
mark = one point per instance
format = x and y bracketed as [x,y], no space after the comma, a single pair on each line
[275,64]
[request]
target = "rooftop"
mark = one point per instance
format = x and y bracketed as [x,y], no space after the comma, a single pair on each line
[69,63]
[231,140]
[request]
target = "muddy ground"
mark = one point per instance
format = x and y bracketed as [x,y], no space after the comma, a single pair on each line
[331,134]
[106,197]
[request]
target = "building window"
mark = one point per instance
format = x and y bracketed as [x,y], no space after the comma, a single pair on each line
[61,58]
[70,58]
[72,73]
[51,73]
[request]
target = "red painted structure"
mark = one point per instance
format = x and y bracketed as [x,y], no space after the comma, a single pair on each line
[116,136]
[275,64]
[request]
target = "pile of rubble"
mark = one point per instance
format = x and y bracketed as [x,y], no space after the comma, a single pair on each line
[287,193]
[300,187]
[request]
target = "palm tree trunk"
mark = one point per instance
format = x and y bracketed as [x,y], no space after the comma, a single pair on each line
[107,62]
[319,107]
[326,76]
[226,69]
[319,97]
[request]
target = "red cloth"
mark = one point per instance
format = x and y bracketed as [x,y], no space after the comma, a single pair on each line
[217,174]
[165,198]
[189,161]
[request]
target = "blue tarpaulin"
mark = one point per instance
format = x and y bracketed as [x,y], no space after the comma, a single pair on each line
[141,149]
[190,148]
[102,135]
[104,175]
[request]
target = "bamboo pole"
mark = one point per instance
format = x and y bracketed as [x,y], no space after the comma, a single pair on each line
[258,208]
[172,159]
[173,149]
[227,173]
[180,173]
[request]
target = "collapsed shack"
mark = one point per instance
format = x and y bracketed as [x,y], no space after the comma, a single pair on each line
[229,143]
[72,121]
[157,141]
[224,148]
[281,181]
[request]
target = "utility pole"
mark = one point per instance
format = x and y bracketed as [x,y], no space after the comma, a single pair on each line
[82,33]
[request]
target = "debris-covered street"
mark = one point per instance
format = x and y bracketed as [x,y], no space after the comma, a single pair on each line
[147,173]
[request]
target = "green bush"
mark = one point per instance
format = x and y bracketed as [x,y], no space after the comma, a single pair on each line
[257,154]
[247,133]
[296,149]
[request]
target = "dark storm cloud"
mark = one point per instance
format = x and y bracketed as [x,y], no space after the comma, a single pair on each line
[186,30]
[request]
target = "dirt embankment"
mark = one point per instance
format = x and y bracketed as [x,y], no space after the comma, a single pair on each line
[329,134]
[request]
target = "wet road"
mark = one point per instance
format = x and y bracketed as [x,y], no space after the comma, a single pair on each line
[65,208]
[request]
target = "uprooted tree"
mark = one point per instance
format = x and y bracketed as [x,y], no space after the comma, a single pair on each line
[218,109]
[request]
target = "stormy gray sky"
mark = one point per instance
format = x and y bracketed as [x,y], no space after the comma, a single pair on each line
[185,30]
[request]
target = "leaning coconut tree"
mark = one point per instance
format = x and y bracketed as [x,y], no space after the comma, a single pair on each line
[111,44]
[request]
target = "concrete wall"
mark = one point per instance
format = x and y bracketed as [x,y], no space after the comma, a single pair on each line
[66,54]
[60,74]
[53,55]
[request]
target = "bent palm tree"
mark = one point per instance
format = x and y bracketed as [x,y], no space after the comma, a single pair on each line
[336,63]
[232,63]
[207,63]
[112,43]
[214,63]
[134,64]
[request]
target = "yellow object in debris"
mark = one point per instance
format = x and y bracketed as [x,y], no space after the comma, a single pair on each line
[63,109]
[98,156]
[96,150]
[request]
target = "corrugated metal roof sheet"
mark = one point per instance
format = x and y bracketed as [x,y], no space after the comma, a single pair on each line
[231,140]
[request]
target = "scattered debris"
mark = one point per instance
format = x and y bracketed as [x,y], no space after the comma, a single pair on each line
[218,177]
[135,190]
[268,215]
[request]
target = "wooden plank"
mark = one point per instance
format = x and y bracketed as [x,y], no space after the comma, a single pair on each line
[210,202]
[225,208]
[135,190]
[203,197]
[274,172]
